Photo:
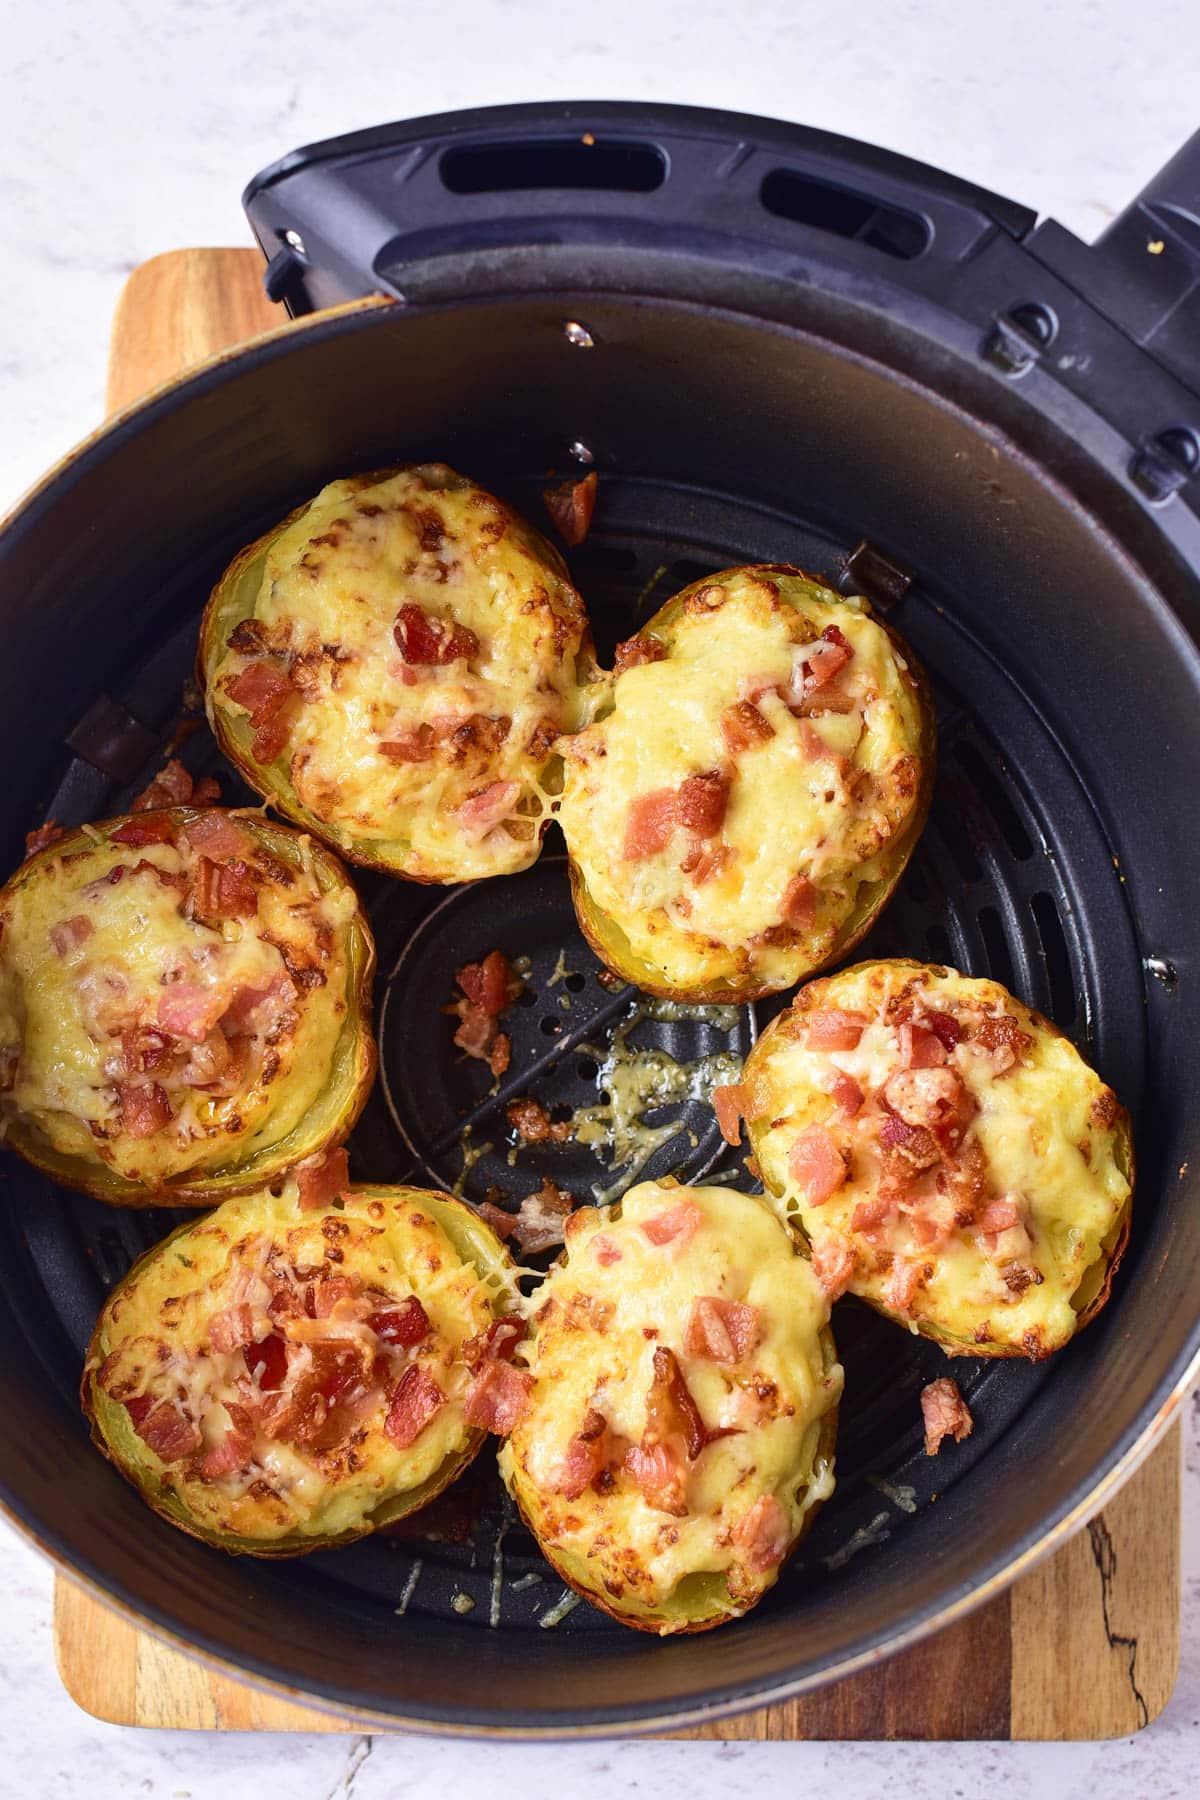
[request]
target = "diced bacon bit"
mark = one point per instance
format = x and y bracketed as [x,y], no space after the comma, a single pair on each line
[323,1180]
[223,891]
[703,801]
[533,1124]
[661,1475]
[927,1097]
[405,1325]
[638,650]
[502,1223]
[834,1262]
[240,1014]
[173,786]
[164,1430]
[999,1215]
[189,1011]
[728,1103]
[416,1399]
[147,828]
[330,1293]
[496,1343]
[541,1218]
[743,726]
[846,1094]
[945,1414]
[704,861]
[145,1108]
[585,1458]
[945,1027]
[489,988]
[215,834]
[908,1150]
[268,693]
[816,1164]
[834,1029]
[497,1397]
[417,745]
[816,749]
[904,1278]
[70,934]
[606,1250]
[485,810]
[650,824]
[234,1449]
[266,1362]
[678,1225]
[799,908]
[1004,1041]
[143,1049]
[723,1331]
[825,658]
[429,641]
[231,1329]
[920,1046]
[763,1534]
[570,505]
[43,837]
[868,1215]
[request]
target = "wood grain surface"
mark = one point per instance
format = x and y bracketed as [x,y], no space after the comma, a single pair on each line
[1085,1646]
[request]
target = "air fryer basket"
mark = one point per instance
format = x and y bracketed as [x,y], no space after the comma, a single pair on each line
[752,418]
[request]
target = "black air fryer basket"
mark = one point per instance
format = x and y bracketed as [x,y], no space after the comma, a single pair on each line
[773,345]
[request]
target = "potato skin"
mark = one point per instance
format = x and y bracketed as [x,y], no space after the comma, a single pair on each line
[603,931]
[328,1126]
[831,992]
[475,1242]
[233,600]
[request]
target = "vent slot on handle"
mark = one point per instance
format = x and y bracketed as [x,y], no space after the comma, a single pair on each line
[624,168]
[843,213]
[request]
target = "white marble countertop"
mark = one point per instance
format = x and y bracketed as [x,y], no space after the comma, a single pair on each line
[130,127]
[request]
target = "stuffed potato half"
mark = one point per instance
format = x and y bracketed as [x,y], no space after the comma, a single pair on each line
[391,666]
[743,809]
[679,1432]
[951,1157]
[184,1006]
[275,1381]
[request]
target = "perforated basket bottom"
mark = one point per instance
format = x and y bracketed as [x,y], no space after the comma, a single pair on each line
[1013,878]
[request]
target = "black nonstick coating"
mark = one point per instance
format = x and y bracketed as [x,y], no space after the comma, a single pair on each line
[1066,696]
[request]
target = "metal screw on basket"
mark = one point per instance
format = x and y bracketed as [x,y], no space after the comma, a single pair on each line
[579,450]
[578,335]
[295,242]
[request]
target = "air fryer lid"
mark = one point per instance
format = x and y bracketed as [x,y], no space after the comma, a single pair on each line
[788,403]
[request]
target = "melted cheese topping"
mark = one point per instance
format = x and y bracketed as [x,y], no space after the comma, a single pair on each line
[1049,1129]
[328,590]
[62,1015]
[834,820]
[152,1338]
[597,1327]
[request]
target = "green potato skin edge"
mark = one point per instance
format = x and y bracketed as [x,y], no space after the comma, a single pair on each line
[607,939]
[1098,1280]
[355,1056]
[472,1238]
[232,601]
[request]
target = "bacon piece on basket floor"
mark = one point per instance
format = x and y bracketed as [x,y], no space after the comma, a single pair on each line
[323,1180]
[489,988]
[945,1414]
[571,504]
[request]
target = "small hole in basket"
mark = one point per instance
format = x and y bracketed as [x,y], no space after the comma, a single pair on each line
[526,997]
[576,983]
[559,1113]
[587,1070]
[996,944]
[551,1027]
[1058,959]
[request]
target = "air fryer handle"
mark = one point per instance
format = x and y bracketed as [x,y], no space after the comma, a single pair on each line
[468,202]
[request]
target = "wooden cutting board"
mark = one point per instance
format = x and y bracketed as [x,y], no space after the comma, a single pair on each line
[1086,1646]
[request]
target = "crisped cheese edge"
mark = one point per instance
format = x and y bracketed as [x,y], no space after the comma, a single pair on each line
[670,1568]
